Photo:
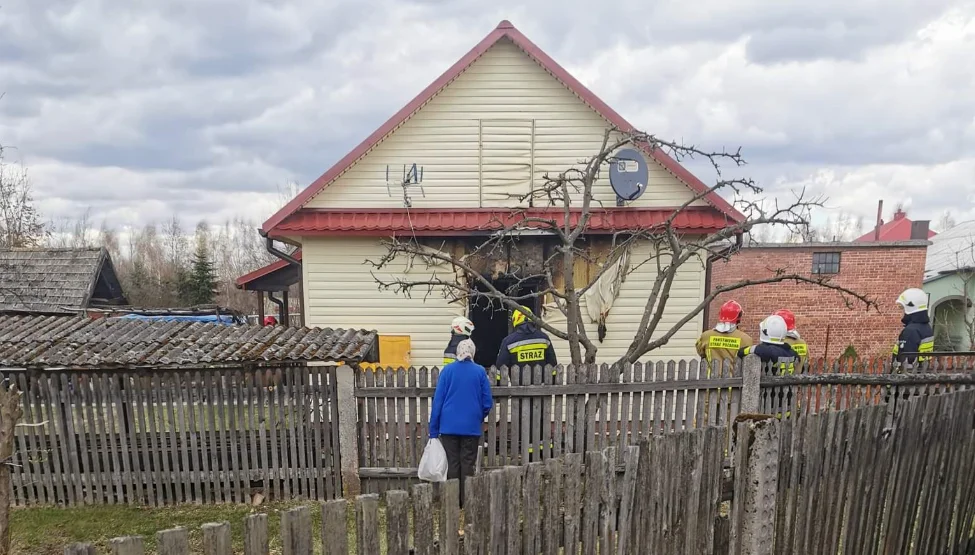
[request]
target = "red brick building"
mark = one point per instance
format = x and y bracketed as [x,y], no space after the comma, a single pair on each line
[880,270]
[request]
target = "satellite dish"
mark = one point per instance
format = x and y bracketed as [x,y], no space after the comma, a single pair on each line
[628,175]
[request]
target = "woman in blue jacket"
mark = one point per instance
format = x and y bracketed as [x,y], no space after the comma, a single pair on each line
[461,402]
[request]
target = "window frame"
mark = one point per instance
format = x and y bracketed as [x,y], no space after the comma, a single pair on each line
[824,263]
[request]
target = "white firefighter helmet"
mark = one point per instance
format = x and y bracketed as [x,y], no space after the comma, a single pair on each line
[913,300]
[773,330]
[462,326]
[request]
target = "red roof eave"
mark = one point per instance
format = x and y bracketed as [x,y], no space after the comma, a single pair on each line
[436,222]
[504,30]
[243,280]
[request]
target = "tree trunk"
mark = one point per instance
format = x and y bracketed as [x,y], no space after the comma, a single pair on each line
[10,414]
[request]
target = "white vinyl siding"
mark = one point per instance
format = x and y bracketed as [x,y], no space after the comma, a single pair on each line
[459,139]
[341,293]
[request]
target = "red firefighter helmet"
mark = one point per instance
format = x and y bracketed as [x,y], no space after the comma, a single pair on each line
[730,313]
[789,317]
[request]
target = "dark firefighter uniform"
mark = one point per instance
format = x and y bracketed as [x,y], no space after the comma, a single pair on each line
[527,345]
[780,358]
[916,337]
[450,353]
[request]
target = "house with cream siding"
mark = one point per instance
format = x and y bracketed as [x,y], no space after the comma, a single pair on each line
[485,133]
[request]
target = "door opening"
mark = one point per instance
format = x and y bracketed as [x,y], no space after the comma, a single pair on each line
[492,320]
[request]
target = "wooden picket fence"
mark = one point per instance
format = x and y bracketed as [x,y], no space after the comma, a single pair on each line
[159,437]
[849,482]
[541,414]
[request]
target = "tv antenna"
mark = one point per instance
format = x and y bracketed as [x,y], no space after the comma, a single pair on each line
[412,177]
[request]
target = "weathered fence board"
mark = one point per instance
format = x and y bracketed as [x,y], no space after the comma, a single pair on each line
[175,436]
[541,413]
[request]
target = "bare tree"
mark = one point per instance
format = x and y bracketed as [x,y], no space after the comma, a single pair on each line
[946,221]
[570,201]
[20,222]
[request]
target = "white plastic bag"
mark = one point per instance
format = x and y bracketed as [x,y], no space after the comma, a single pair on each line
[433,464]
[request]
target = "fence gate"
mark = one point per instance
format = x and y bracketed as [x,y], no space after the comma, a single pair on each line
[166,436]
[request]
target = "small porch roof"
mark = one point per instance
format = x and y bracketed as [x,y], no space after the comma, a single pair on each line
[277,276]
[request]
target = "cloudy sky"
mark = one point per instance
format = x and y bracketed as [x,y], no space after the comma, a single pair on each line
[140,109]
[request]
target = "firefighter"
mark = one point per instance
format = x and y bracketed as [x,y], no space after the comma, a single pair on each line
[725,340]
[527,344]
[776,356]
[773,351]
[460,329]
[917,335]
[793,339]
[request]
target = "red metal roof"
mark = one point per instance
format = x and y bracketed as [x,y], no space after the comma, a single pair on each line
[898,229]
[436,222]
[243,280]
[504,30]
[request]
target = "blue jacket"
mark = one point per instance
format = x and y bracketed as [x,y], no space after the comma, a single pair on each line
[462,400]
[527,345]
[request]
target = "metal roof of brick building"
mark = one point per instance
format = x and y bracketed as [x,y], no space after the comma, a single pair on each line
[63,341]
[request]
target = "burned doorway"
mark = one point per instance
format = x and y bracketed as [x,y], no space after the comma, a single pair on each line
[492,320]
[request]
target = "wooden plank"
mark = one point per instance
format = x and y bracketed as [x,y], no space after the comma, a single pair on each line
[591,503]
[304,432]
[130,545]
[211,459]
[624,531]
[296,531]
[173,542]
[333,430]
[682,399]
[142,458]
[97,486]
[416,433]
[625,421]
[492,456]
[572,465]
[290,419]
[255,534]
[423,529]
[531,525]
[397,523]
[512,526]
[262,421]
[274,418]
[498,500]
[234,427]
[34,412]
[317,420]
[25,477]
[505,452]
[80,549]
[216,539]
[168,439]
[371,427]
[450,518]
[147,387]
[514,411]
[199,459]
[367,523]
[335,535]
[401,438]
[558,416]
[126,452]
[180,401]
[551,507]
[223,482]
[537,416]
[68,449]
[387,415]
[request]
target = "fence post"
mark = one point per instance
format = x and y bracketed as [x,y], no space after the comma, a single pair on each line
[751,371]
[348,429]
[80,549]
[756,485]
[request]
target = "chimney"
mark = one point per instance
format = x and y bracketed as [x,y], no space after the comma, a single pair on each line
[880,220]
[919,230]
[899,215]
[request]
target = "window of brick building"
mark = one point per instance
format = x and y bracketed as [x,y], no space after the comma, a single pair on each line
[826,263]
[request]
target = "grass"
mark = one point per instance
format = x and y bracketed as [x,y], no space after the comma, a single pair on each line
[46,530]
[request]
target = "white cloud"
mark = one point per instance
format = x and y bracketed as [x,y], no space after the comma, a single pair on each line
[140,109]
